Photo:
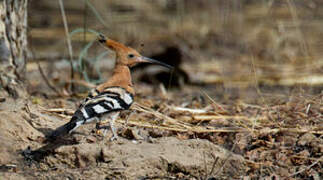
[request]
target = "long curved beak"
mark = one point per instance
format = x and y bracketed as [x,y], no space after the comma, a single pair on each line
[149,60]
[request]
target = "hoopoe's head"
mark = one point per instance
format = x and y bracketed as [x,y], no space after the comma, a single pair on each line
[126,55]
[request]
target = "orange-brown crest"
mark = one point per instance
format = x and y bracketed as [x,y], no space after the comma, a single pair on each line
[126,55]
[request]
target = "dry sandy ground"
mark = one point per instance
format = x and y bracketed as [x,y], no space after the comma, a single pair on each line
[86,156]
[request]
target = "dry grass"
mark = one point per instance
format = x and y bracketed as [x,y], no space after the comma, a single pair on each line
[260,65]
[278,140]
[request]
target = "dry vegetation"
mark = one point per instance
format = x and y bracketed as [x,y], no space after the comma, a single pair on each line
[252,107]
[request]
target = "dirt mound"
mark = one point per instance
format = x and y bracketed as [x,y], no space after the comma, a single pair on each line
[164,157]
[271,150]
[90,157]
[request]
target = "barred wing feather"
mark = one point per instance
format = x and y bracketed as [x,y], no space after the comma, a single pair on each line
[95,106]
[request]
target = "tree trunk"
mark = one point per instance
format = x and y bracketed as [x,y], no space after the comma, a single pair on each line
[13,46]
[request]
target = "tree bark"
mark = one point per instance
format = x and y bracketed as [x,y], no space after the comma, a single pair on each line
[13,46]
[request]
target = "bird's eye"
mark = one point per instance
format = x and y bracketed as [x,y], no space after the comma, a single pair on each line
[131,56]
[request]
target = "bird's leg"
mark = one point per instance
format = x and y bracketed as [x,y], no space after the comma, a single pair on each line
[128,118]
[99,126]
[113,117]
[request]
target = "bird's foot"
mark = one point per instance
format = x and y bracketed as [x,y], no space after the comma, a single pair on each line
[114,132]
[103,132]
[114,138]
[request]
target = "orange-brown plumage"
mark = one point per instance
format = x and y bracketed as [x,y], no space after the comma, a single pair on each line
[121,77]
[126,57]
[122,53]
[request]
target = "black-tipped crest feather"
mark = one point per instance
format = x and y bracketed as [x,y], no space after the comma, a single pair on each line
[102,38]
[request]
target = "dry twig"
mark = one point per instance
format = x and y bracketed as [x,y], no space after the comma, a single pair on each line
[69,44]
[308,167]
[47,81]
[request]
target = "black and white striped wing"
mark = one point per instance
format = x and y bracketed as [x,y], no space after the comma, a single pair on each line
[100,103]
[94,107]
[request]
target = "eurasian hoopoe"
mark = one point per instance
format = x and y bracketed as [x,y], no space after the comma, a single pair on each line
[105,102]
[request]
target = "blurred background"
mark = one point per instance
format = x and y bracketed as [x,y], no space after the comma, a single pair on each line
[229,49]
[247,80]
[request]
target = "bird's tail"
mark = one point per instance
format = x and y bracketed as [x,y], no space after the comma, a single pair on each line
[63,130]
